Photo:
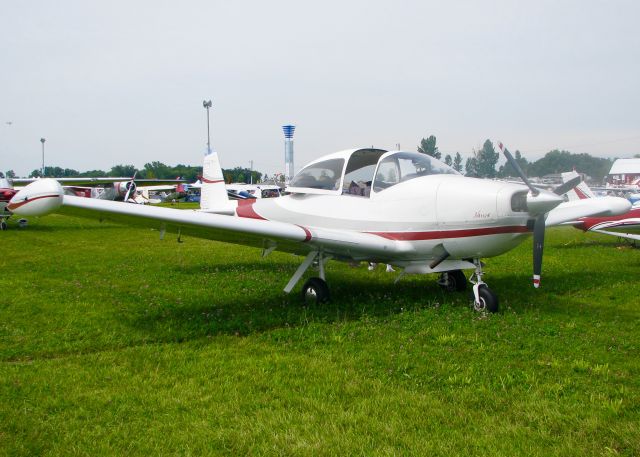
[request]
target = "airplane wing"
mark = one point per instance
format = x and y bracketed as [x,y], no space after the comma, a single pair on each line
[631,236]
[569,212]
[246,231]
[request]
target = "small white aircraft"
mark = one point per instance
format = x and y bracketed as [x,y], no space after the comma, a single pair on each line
[414,213]
[624,224]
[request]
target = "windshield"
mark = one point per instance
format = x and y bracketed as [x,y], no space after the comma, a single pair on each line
[324,175]
[403,166]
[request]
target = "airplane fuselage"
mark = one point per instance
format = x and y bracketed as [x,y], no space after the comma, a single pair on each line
[468,217]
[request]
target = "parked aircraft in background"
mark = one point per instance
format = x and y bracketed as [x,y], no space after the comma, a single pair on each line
[105,188]
[6,194]
[254,190]
[581,202]
[625,224]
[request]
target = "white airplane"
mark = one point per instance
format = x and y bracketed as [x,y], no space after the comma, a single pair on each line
[416,214]
[582,202]
[624,224]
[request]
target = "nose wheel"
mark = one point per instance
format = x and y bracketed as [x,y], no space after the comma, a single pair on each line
[484,300]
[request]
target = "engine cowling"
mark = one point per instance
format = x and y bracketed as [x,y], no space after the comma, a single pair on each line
[37,199]
[122,187]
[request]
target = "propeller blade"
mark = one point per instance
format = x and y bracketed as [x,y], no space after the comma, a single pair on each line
[567,186]
[131,185]
[538,245]
[534,191]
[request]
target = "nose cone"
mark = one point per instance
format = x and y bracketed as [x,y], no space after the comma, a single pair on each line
[37,199]
[542,203]
[616,206]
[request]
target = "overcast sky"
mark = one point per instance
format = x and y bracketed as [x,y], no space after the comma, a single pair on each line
[122,82]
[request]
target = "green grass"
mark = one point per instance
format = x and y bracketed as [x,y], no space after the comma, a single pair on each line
[113,342]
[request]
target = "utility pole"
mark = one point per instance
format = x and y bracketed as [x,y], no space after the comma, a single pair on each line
[207,104]
[42,140]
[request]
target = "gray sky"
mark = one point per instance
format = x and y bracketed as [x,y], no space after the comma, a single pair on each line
[111,82]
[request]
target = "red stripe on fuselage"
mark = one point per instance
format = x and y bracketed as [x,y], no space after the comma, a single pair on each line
[440,234]
[12,206]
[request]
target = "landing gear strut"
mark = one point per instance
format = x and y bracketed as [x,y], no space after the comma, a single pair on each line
[315,290]
[484,299]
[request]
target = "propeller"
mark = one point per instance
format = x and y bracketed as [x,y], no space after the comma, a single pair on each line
[538,204]
[567,186]
[131,186]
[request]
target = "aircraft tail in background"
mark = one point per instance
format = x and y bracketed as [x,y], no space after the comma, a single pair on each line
[581,191]
[213,193]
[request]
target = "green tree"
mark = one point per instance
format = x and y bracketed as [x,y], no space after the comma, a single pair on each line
[448,160]
[487,159]
[560,161]
[457,162]
[508,170]
[157,170]
[54,172]
[239,174]
[93,173]
[123,171]
[428,146]
[10,174]
[471,166]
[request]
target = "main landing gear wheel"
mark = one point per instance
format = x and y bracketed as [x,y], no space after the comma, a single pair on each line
[453,281]
[487,300]
[3,225]
[315,291]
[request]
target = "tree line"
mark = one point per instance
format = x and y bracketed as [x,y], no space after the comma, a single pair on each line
[152,170]
[483,162]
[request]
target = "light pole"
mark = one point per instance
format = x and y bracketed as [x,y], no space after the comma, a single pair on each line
[207,104]
[42,140]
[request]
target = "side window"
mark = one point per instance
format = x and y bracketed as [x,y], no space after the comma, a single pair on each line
[358,182]
[387,175]
[322,175]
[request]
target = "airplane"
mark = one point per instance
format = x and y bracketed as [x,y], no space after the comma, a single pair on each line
[624,224]
[418,215]
[581,202]
[106,188]
[6,194]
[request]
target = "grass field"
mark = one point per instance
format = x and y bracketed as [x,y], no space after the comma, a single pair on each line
[115,343]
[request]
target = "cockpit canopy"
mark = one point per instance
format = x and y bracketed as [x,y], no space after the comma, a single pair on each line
[363,171]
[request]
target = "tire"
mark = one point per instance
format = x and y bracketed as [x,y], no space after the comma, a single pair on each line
[3,225]
[456,282]
[488,300]
[315,292]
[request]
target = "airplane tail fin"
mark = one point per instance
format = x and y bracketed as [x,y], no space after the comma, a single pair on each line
[581,191]
[213,193]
